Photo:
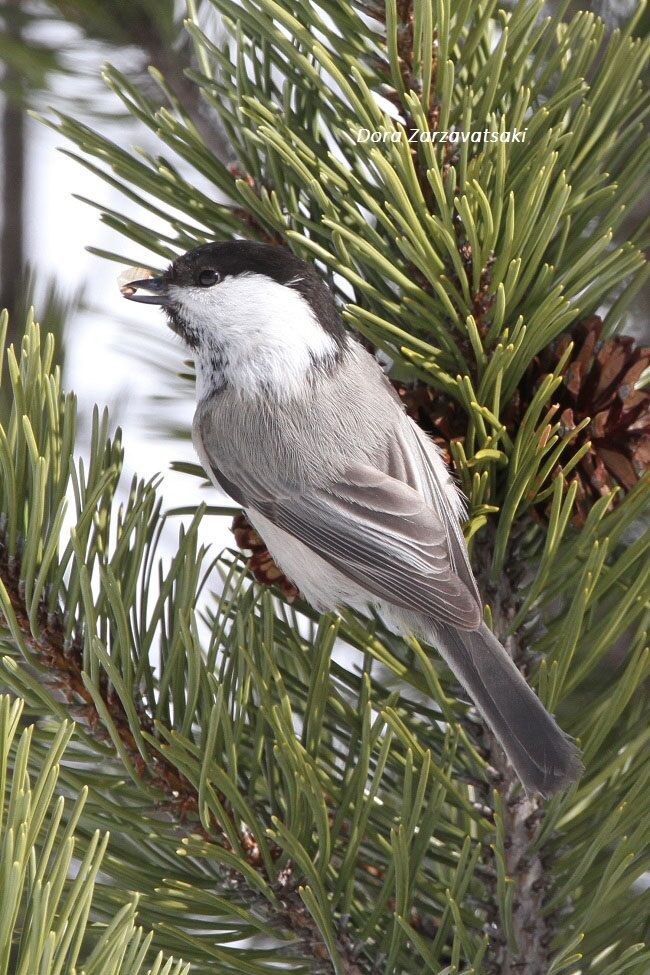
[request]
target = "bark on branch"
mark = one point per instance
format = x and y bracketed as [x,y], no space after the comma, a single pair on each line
[523,816]
[179,798]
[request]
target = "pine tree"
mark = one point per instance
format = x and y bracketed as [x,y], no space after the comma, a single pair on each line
[274,805]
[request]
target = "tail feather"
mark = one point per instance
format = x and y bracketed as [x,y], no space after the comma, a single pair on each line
[545,759]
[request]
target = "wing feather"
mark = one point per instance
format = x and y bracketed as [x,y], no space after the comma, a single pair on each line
[427,476]
[416,580]
[378,530]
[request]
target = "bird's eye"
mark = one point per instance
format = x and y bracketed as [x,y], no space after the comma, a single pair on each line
[208,277]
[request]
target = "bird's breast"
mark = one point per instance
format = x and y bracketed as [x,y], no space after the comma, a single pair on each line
[300,440]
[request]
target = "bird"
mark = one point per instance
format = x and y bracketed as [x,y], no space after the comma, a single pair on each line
[298,423]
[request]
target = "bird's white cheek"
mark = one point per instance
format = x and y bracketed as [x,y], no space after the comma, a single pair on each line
[197,307]
[256,333]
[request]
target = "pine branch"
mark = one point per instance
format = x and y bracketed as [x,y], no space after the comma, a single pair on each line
[366,790]
[151,31]
[58,661]
[168,63]
[63,670]
[47,895]
[62,663]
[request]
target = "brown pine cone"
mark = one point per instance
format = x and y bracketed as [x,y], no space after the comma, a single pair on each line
[599,382]
[260,562]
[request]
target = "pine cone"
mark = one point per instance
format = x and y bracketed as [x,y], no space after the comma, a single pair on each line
[439,416]
[260,563]
[599,382]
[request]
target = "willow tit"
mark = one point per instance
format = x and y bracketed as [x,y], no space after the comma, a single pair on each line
[300,426]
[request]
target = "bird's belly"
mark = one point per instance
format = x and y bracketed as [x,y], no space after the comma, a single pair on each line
[327,589]
[323,586]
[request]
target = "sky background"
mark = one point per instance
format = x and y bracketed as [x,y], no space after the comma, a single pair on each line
[109,341]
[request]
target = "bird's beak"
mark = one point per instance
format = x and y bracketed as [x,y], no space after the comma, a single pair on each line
[150,291]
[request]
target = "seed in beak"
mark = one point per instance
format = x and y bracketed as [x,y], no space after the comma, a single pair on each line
[130,274]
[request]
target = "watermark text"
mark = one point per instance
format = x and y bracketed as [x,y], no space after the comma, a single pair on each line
[453,136]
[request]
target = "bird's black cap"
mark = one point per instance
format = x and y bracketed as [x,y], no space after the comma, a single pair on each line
[229,258]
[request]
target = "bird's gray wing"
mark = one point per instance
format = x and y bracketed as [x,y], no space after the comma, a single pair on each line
[412,458]
[380,533]
[375,529]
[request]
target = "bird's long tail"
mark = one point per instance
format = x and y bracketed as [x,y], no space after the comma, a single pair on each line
[544,758]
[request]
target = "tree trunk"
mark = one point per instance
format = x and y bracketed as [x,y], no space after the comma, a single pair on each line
[12,260]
